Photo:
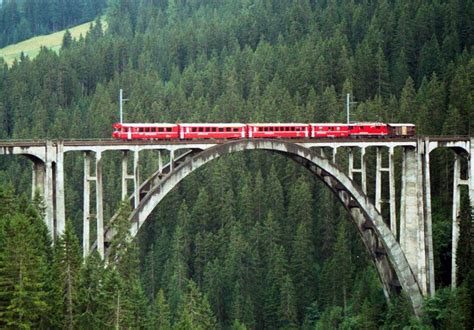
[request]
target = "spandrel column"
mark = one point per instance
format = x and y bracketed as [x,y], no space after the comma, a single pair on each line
[86,205]
[99,204]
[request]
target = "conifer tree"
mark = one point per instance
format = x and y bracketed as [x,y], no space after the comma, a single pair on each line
[465,250]
[176,271]
[160,315]
[288,313]
[23,275]
[407,101]
[67,265]
[115,312]
[91,296]
[195,312]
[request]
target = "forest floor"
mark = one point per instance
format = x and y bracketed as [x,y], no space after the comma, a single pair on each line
[32,46]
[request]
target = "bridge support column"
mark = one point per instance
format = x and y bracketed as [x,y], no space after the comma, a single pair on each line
[351,163]
[428,219]
[363,168]
[136,178]
[378,180]
[99,216]
[86,205]
[49,189]
[392,193]
[99,204]
[412,221]
[39,170]
[415,227]
[457,183]
[124,175]
[59,190]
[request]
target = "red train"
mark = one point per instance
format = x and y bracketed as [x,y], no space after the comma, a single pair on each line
[274,131]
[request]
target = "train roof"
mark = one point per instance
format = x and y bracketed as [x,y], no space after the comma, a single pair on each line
[212,124]
[277,124]
[147,125]
[400,125]
[366,123]
[329,124]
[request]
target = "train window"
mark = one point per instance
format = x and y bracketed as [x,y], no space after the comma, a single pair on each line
[221,129]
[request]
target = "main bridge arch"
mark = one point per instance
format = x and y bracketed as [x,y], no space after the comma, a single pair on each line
[386,253]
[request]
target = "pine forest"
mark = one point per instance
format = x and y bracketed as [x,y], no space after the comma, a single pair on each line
[252,240]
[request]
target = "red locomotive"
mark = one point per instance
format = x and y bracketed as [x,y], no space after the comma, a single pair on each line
[274,131]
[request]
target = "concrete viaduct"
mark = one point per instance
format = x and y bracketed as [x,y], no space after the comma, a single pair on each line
[402,252]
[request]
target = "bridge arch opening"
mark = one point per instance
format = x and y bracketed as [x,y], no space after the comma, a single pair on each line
[378,239]
[449,182]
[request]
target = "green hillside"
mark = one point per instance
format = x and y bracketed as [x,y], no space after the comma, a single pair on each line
[31,47]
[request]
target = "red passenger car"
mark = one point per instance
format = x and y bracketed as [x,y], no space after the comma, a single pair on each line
[286,131]
[145,131]
[213,131]
[368,130]
[326,130]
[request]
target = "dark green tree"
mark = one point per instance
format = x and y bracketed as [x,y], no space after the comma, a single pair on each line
[67,265]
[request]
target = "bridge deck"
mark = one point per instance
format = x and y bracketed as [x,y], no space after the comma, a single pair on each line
[113,142]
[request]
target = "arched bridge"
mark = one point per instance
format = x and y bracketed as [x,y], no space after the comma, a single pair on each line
[406,263]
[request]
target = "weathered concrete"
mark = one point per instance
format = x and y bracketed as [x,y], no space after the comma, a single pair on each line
[49,189]
[38,178]
[125,175]
[378,179]
[457,183]
[411,221]
[392,193]
[99,204]
[60,211]
[136,178]
[428,220]
[86,205]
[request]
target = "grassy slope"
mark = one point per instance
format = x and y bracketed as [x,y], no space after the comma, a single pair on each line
[32,46]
